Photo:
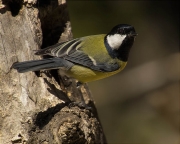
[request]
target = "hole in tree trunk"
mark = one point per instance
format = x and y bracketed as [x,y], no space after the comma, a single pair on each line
[13,5]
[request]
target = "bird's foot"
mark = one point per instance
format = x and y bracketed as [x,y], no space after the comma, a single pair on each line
[81,105]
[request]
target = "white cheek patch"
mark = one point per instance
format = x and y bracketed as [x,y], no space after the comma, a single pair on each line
[115,40]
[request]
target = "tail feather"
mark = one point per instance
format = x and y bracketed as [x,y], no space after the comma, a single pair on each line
[36,65]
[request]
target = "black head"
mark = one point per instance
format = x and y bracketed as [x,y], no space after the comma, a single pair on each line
[119,41]
[123,29]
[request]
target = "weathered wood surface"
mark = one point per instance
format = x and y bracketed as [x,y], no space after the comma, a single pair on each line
[34,107]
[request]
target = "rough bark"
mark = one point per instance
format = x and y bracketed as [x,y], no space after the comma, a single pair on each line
[36,107]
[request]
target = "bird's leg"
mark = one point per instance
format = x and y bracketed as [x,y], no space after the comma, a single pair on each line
[79,84]
[81,105]
[65,81]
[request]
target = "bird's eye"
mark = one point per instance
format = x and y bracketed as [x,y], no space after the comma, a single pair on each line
[120,31]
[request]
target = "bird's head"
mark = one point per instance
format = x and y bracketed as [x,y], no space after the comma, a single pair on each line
[119,40]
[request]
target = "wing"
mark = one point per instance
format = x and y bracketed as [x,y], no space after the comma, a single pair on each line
[81,58]
[71,51]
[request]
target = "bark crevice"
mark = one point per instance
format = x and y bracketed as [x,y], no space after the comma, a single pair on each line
[34,106]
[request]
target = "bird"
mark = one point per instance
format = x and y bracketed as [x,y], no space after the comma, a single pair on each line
[88,58]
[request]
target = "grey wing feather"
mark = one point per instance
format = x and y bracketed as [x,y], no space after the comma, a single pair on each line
[47,51]
[81,58]
[70,51]
[60,49]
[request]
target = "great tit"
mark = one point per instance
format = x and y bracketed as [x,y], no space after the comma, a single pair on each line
[88,58]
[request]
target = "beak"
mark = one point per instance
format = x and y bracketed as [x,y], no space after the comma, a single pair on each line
[133,34]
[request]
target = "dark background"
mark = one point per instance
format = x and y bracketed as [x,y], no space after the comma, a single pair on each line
[140,105]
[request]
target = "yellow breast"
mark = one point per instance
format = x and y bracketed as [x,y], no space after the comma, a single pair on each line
[84,74]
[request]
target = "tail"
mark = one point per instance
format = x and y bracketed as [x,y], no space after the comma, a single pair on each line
[36,65]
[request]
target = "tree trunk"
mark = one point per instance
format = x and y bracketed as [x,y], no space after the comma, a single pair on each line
[36,107]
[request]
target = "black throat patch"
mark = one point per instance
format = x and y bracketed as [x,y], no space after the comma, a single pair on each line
[122,52]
